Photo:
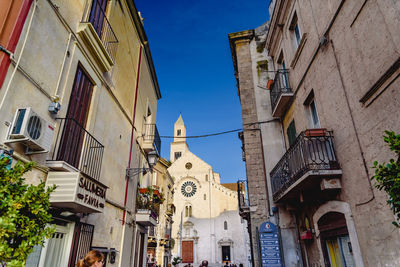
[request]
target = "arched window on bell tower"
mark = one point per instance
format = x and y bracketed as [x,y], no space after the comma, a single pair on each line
[225,225]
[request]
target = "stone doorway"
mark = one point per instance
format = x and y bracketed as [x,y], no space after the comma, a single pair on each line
[187,251]
[335,242]
[226,253]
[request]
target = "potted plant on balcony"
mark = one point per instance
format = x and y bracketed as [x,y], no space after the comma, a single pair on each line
[149,199]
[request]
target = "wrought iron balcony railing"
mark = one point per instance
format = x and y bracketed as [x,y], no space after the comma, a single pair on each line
[312,151]
[280,88]
[77,147]
[151,135]
[97,17]
[242,199]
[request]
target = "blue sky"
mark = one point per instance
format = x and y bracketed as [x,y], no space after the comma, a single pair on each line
[190,49]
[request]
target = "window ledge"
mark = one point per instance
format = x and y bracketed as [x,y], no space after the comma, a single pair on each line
[93,42]
[384,82]
[298,51]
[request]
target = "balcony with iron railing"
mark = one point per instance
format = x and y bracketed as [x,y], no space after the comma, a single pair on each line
[309,162]
[75,168]
[151,138]
[78,148]
[95,29]
[280,93]
[148,203]
[243,202]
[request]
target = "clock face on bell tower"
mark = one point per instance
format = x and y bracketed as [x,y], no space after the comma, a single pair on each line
[188,189]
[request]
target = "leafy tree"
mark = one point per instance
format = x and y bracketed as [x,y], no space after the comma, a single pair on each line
[387,175]
[24,214]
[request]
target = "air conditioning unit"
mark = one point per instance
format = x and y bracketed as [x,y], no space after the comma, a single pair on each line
[32,131]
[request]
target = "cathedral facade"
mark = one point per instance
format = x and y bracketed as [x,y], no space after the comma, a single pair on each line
[207,225]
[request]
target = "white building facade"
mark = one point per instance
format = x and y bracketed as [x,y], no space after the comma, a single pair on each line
[207,223]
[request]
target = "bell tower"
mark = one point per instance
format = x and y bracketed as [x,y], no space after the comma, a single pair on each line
[179,146]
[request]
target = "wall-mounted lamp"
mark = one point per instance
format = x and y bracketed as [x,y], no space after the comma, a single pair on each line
[152,158]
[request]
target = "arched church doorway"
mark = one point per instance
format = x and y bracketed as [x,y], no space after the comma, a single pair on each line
[335,241]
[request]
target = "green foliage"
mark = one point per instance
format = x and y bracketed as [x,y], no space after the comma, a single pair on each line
[24,214]
[387,175]
[176,260]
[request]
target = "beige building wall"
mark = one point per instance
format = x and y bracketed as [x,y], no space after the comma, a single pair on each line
[49,60]
[165,184]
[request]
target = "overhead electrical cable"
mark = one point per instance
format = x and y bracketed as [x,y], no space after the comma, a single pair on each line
[220,133]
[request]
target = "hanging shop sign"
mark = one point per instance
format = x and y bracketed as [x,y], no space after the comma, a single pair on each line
[76,192]
[269,244]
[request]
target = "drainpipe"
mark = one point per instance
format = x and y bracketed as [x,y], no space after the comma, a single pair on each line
[14,37]
[132,134]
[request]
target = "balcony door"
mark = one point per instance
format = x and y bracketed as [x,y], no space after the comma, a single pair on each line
[75,123]
[97,15]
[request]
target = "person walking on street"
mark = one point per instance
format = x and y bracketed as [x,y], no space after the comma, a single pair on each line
[93,258]
[204,263]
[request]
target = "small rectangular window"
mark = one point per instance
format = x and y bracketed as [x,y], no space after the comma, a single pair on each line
[295,31]
[314,115]
[297,34]
[205,197]
[178,132]
[178,155]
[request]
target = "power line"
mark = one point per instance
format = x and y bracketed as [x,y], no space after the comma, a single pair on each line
[220,133]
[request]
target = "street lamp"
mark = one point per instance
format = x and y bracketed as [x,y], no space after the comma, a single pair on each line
[152,158]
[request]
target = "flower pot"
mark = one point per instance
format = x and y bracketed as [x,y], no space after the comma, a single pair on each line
[269,84]
[316,132]
[306,235]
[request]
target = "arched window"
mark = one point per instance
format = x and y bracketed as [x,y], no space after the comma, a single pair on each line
[205,196]
[188,211]
[206,177]
[225,225]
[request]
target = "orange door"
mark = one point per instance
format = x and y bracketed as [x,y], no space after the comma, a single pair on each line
[187,251]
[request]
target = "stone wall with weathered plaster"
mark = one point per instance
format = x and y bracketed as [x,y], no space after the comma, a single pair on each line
[361,51]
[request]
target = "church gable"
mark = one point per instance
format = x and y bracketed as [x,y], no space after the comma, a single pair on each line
[189,163]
